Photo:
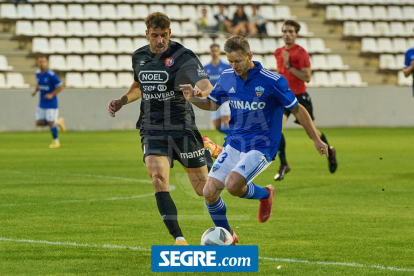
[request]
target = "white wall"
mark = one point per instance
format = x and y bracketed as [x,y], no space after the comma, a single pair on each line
[387,106]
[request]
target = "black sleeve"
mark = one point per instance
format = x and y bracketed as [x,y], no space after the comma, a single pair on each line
[133,67]
[191,70]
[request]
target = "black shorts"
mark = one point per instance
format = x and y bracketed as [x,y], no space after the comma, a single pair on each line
[187,149]
[305,100]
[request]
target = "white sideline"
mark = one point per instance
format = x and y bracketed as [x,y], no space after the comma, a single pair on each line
[262,258]
[172,188]
[336,263]
[78,244]
[90,175]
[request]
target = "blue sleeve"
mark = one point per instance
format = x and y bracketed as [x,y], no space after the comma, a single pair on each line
[218,95]
[283,94]
[56,81]
[407,59]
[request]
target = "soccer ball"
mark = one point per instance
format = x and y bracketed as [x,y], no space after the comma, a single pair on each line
[216,236]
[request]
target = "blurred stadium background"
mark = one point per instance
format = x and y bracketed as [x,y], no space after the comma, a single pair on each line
[356,46]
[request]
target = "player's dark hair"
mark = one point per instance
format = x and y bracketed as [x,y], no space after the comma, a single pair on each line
[157,20]
[292,23]
[214,45]
[236,43]
[42,56]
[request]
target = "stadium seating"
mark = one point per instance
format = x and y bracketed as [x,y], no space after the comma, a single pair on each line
[15,80]
[8,11]
[369,13]
[95,80]
[385,45]
[125,79]
[403,81]
[4,66]
[354,79]
[336,79]
[97,37]
[74,63]
[3,84]
[391,62]
[74,80]
[109,80]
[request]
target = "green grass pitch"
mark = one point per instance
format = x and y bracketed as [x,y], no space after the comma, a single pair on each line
[60,207]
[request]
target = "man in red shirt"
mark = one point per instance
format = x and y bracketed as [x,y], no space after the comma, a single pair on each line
[293,63]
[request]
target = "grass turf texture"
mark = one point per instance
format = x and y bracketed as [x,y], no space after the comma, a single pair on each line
[361,214]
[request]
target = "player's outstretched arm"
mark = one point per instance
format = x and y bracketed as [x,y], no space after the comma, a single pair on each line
[193,96]
[36,89]
[133,94]
[407,71]
[306,121]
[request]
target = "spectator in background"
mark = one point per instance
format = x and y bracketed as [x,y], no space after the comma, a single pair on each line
[409,64]
[207,24]
[239,22]
[16,2]
[221,116]
[225,21]
[257,23]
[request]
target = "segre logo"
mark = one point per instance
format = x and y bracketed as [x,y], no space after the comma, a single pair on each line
[205,259]
[188,258]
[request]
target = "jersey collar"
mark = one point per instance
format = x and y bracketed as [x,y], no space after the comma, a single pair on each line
[255,70]
[47,70]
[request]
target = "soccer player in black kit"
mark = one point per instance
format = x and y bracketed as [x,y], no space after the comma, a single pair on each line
[167,120]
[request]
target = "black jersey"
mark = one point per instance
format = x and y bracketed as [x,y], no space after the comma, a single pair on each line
[164,110]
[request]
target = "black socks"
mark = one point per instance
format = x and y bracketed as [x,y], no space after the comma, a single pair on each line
[282,152]
[168,213]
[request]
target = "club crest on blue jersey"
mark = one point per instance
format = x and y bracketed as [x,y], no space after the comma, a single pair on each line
[169,61]
[259,90]
[216,167]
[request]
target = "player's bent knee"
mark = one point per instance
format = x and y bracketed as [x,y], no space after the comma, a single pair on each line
[234,184]
[40,123]
[210,193]
[158,179]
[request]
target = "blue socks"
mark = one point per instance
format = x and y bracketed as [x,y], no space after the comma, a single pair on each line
[218,214]
[54,131]
[255,192]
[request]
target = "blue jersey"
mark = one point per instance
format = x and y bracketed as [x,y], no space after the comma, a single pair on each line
[214,72]
[256,108]
[48,82]
[409,56]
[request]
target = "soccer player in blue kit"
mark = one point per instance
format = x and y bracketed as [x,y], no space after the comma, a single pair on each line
[49,85]
[257,98]
[409,64]
[221,116]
